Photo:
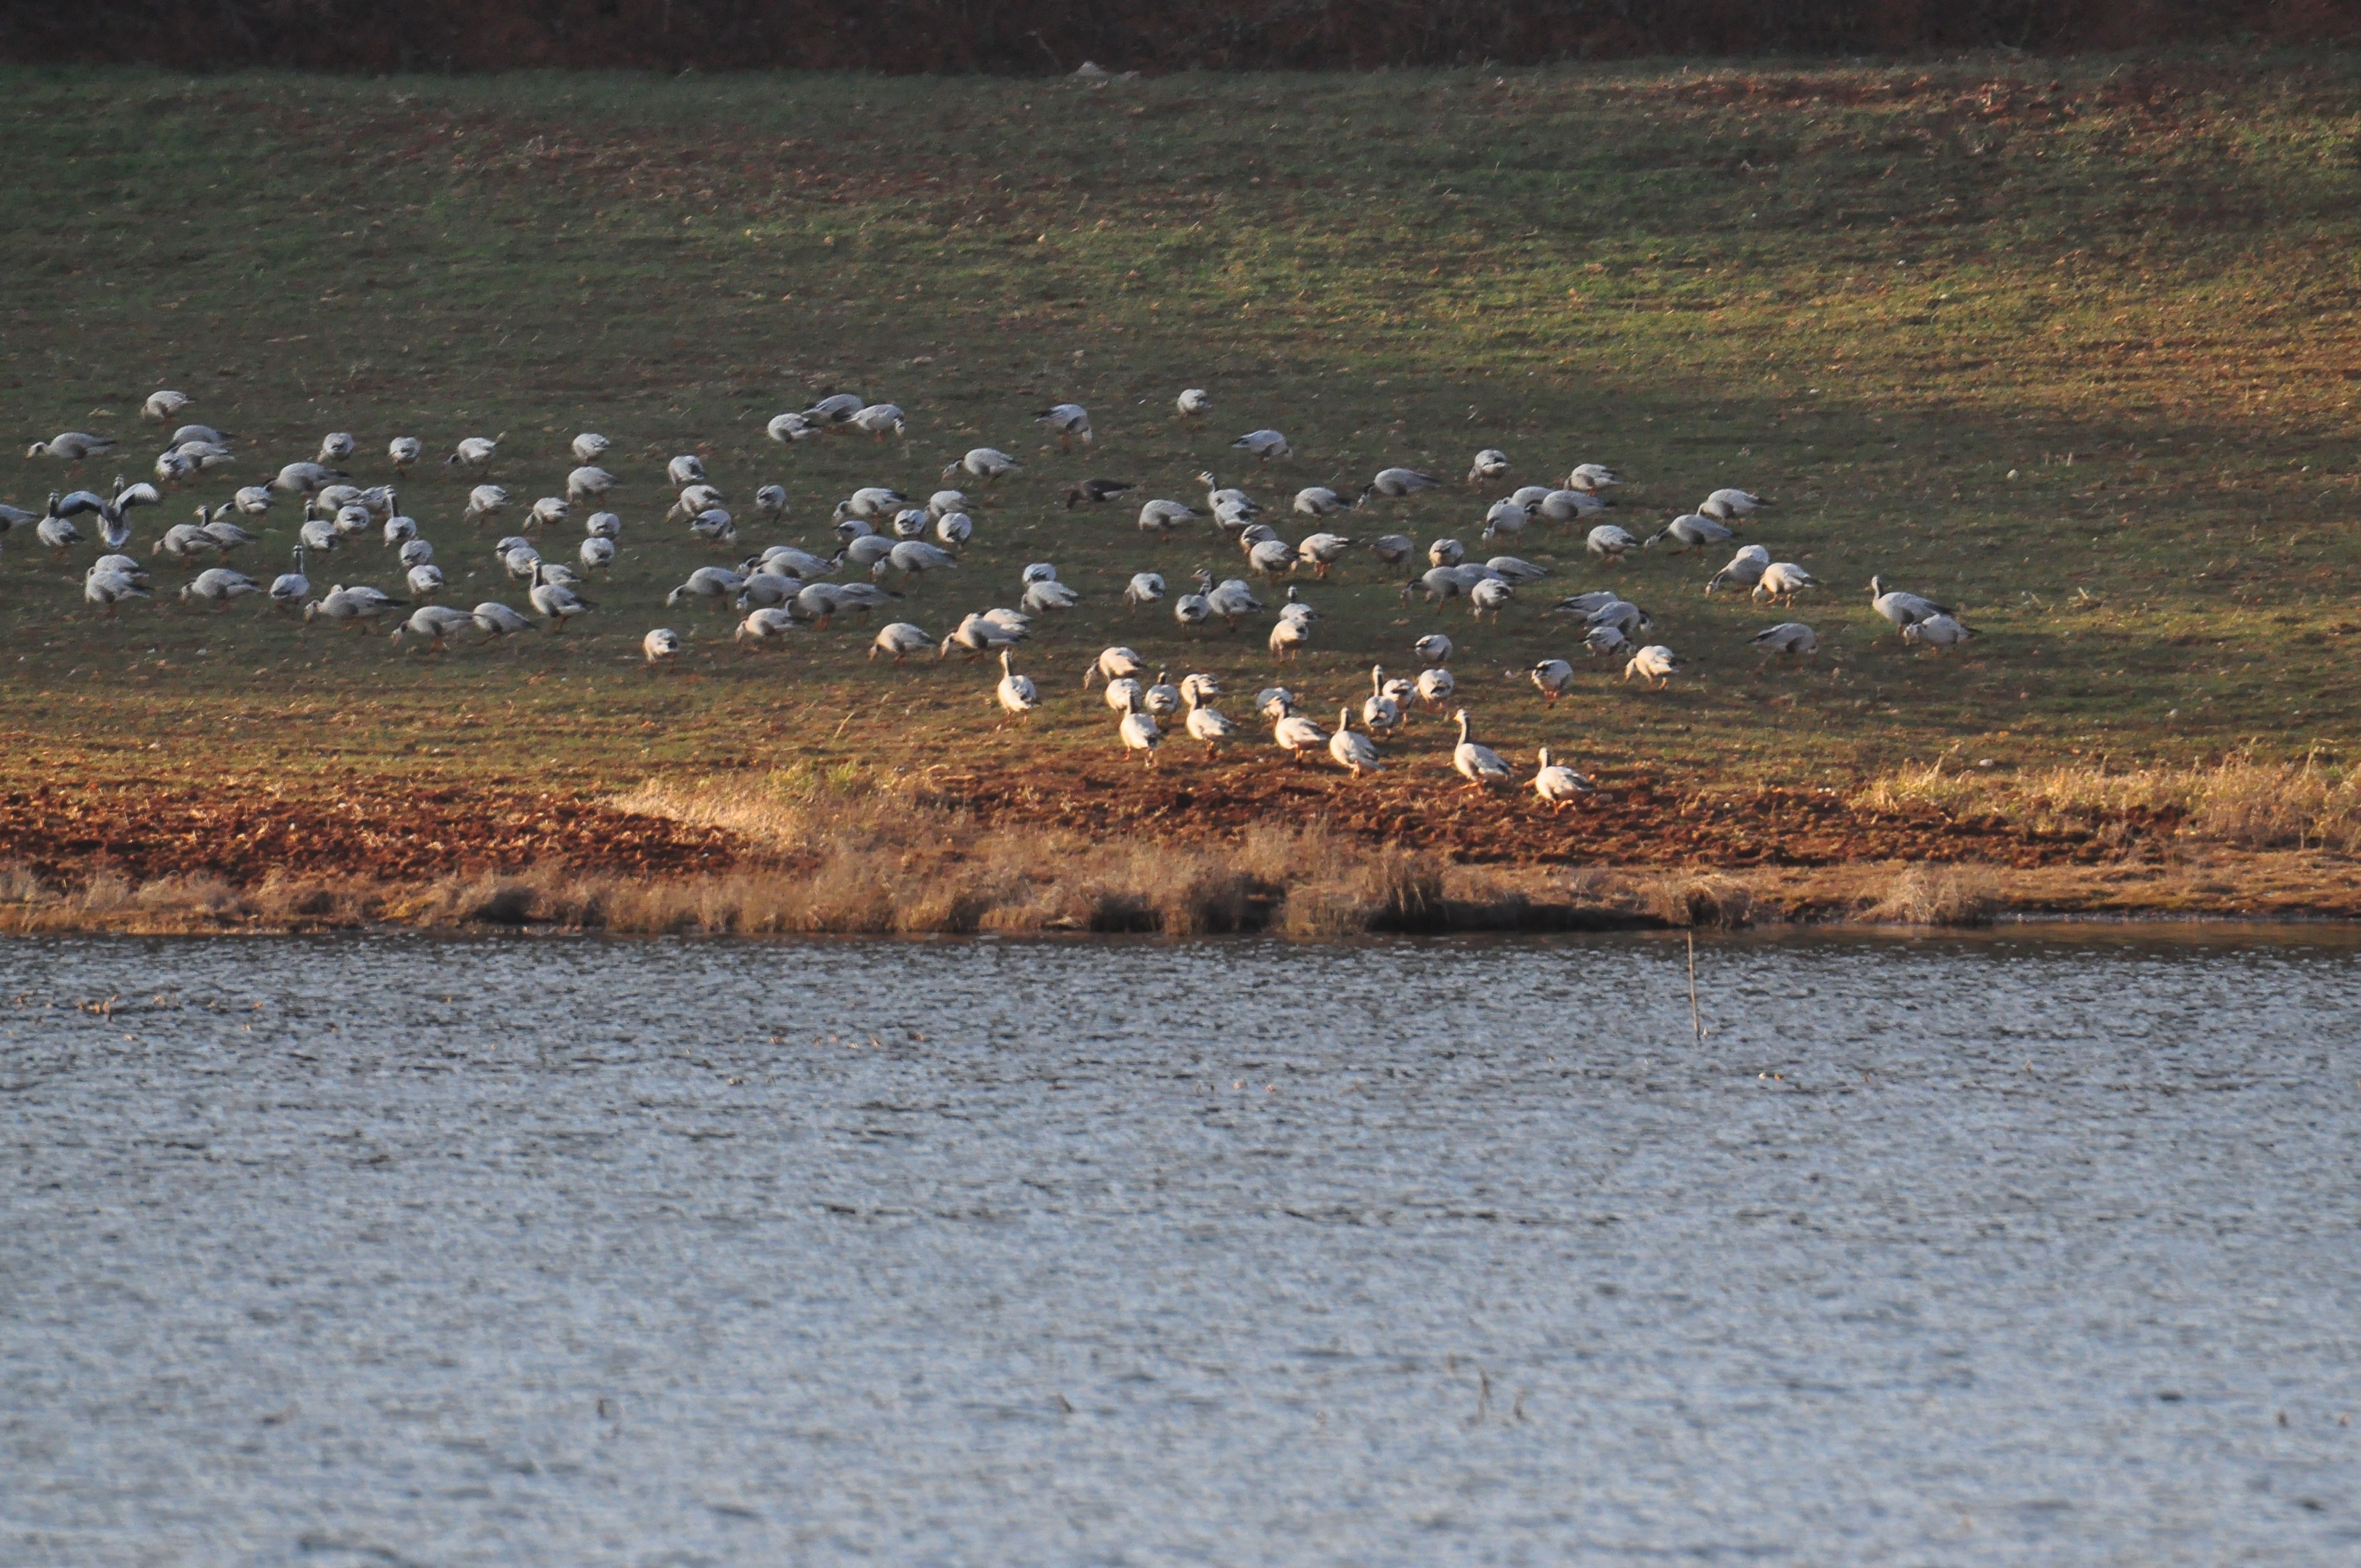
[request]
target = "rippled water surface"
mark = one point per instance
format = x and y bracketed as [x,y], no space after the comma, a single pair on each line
[2020,1249]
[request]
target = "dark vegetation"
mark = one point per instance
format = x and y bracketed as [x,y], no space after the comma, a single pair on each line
[1032,36]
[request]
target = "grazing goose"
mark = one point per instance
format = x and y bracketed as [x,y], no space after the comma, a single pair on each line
[1591,476]
[319,534]
[1046,599]
[226,536]
[837,408]
[71,445]
[1625,616]
[715,526]
[1274,558]
[1196,609]
[1489,598]
[1114,664]
[913,556]
[1250,534]
[1263,444]
[1123,693]
[473,453]
[1319,500]
[588,483]
[1558,785]
[207,455]
[1295,734]
[1445,552]
[1938,631]
[1195,402]
[1745,568]
[355,606]
[1480,765]
[289,588]
[186,543]
[550,510]
[1159,516]
[403,451]
[175,468]
[661,646]
[1071,420]
[1900,608]
[1137,729]
[858,598]
[788,561]
[685,470]
[556,601]
[763,589]
[770,500]
[1509,569]
[1782,581]
[398,532]
[715,585]
[414,553]
[870,503]
[1789,639]
[985,462]
[1566,508]
[597,554]
[494,619]
[1354,752]
[216,585]
[1232,598]
[870,549]
[483,501]
[979,635]
[1322,551]
[1145,588]
[350,520]
[694,499]
[303,478]
[1037,572]
[1604,642]
[1437,583]
[911,522]
[1094,491]
[521,561]
[761,626]
[880,419]
[1399,484]
[1731,506]
[1273,701]
[1206,724]
[251,500]
[1655,663]
[1290,635]
[1554,678]
[1433,649]
[164,405]
[437,623]
[1506,516]
[1393,549]
[789,427]
[425,581]
[337,445]
[1690,530]
[1490,464]
[1609,543]
[1016,693]
[203,433]
[590,446]
[107,589]
[898,640]
[1434,688]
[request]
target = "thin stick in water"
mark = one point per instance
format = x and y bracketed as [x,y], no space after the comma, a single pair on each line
[1697,1019]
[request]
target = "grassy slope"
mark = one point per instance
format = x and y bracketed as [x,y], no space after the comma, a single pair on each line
[1872,292]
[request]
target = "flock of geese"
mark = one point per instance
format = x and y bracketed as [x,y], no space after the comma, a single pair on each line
[880,534]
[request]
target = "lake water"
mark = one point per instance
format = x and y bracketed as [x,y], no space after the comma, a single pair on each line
[2029,1247]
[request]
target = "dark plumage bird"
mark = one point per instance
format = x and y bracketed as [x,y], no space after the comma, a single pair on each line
[1096,490]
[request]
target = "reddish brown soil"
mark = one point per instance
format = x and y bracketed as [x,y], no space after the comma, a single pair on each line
[1629,821]
[63,834]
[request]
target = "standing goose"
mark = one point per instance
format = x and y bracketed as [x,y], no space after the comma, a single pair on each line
[337,445]
[319,534]
[1263,444]
[1788,640]
[1137,730]
[1016,693]
[1381,710]
[291,588]
[1900,608]
[1161,700]
[1490,464]
[1655,663]
[1354,752]
[1554,678]
[1232,598]
[1295,734]
[1558,785]
[1195,609]
[661,646]
[1290,635]
[1480,765]
[1435,688]
[1071,420]
[1206,724]
[1220,498]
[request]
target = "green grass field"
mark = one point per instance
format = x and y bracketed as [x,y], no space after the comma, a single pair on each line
[2070,344]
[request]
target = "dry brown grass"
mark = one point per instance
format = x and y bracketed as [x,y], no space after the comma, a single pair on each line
[2239,801]
[1939,895]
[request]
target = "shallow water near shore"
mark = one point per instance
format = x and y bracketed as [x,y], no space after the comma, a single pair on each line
[2031,1245]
